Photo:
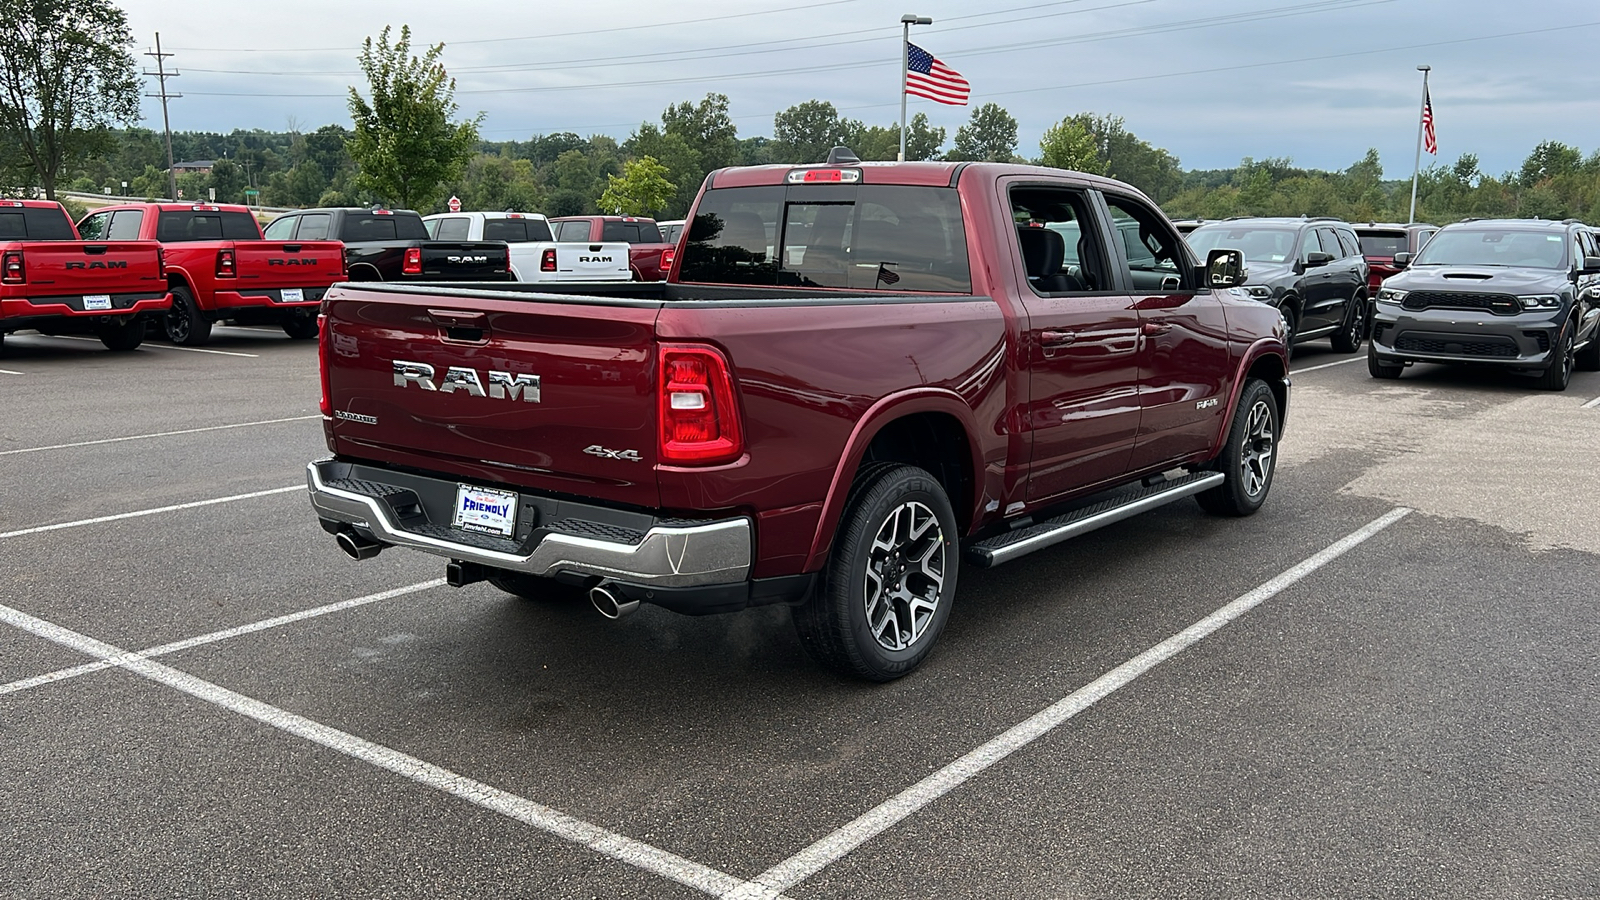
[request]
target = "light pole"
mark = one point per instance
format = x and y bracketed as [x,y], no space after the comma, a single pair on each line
[1416,167]
[906,21]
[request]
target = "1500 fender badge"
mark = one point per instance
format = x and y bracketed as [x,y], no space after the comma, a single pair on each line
[501,385]
[603,453]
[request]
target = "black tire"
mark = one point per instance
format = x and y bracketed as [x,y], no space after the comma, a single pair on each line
[532,587]
[896,545]
[184,322]
[1377,368]
[1353,330]
[1558,374]
[301,328]
[1588,359]
[122,337]
[1250,457]
[1291,322]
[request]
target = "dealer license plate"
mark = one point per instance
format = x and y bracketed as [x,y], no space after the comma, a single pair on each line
[96,302]
[293,295]
[486,511]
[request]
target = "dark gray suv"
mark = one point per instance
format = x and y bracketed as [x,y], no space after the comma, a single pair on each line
[1311,269]
[1514,293]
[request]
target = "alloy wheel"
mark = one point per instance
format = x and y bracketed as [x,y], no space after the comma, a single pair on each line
[905,576]
[1260,440]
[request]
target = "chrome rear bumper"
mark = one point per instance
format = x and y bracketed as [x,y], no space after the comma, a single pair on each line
[667,556]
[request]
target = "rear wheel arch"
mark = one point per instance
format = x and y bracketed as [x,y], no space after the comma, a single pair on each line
[932,430]
[364,272]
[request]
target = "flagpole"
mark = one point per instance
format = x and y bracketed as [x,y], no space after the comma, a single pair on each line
[906,21]
[1416,167]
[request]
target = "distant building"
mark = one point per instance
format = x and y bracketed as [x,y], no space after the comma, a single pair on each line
[193,167]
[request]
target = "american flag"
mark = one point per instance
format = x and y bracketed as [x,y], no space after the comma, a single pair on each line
[930,78]
[1430,141]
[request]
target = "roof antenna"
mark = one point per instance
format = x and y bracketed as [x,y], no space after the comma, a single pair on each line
[842,156]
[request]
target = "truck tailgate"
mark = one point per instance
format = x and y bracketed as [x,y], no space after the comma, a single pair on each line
[538,391]
[599,262]
[275,264]
[61,268]
[458,260]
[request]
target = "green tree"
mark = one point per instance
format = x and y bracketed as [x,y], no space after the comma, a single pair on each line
[66,76]
[684,165]
[805,132]
[1549,160]
[228,180]
[991,135]
[707,128]
[405,142]
[642,190]
[1069,145]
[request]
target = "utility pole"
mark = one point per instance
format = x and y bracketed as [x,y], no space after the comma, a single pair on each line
[162,75]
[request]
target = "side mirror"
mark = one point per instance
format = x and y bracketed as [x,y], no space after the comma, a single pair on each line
[1591,266]
[1402,259]
[1225,268]
[1317,258]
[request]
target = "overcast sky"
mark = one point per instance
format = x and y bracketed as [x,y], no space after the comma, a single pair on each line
[1212,81]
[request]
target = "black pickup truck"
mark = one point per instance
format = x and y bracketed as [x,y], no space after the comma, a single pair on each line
[393,245]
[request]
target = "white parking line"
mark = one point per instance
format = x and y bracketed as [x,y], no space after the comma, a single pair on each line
[624,849]
[886,815]
[1342,362]
[215,636]
[140,437]
[8,372]
[149,512]
[73,337]
[1592,404]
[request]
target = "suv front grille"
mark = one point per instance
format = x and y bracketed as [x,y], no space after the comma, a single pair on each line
[1499,304]
[1449,345]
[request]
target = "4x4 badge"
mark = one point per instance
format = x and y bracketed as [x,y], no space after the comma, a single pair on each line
[603,453]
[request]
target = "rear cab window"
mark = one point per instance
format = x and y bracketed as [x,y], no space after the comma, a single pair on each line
[35,224]
[179,226]
[374,226]
[853,236]
[1382,243]
[516,231]
[631,232]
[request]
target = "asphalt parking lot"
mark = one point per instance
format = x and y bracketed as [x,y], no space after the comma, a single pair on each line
[1382,685]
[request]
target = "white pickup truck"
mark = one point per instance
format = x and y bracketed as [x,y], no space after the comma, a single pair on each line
[535,254]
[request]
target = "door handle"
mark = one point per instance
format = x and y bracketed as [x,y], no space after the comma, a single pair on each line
[1153,328]
[1057,338]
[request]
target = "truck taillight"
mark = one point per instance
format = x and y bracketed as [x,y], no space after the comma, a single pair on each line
[225,267]
[325,362]
[699,415]
[666,260]
[547,260]
[413,262]
[12,270]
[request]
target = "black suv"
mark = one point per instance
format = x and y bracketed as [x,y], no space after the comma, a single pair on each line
[1516,293]
[1311,269]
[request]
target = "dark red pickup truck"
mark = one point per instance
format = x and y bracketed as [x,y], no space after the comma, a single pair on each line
[855,378]
[646,246]
[220,269]
[53,282]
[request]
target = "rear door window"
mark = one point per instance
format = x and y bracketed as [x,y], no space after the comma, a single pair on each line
[125,225]
[867,237]
[573,232]
[313,227]
[1330,242]
[1348,242]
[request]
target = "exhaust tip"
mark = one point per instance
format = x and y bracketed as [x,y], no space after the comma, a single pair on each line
[610,604]
[357,547]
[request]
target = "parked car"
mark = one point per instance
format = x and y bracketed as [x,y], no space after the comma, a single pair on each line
[878,380]
[53,282]
[1311,269]
[535,254]
[670,230]
[393,245]
[220,268]
[1380,242]
[1513,293]
[646,245]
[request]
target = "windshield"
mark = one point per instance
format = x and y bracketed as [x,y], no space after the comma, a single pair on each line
[1270,245]
[1495,247]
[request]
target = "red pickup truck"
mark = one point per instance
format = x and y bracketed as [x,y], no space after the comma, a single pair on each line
[856,378]
[648,252]
[220,269]
[53,282]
